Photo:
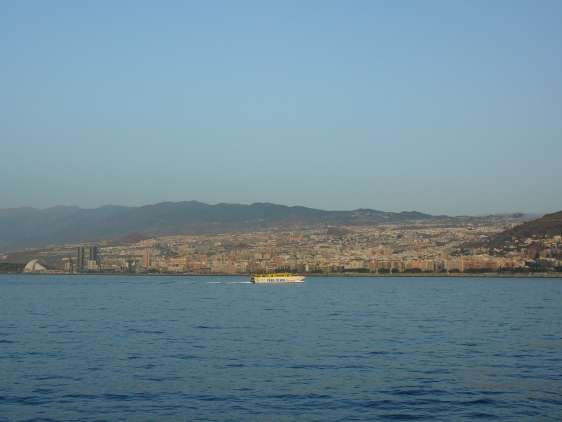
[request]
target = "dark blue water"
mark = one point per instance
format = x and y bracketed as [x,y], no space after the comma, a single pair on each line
[333,349]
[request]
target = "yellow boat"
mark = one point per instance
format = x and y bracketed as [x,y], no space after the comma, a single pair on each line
[276,278]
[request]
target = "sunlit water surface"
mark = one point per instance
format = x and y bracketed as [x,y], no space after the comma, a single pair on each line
[332,349]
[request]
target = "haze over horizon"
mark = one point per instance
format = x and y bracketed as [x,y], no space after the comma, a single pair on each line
[440,107]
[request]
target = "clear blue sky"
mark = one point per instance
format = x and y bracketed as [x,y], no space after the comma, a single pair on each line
[440,106]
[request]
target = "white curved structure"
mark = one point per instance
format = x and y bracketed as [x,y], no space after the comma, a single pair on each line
[34,266]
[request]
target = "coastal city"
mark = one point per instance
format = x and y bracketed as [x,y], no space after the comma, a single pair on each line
[281,211]
[425,247]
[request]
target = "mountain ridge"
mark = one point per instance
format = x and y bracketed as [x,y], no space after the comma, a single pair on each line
[547,225]
[26,227]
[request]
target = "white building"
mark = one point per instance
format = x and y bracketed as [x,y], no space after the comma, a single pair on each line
[34,266]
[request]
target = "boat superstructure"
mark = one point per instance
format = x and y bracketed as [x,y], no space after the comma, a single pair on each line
[274,278]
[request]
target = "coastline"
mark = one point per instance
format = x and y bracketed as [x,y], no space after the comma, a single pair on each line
[311,275]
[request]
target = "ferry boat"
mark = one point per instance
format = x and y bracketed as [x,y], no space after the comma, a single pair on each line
[274,278]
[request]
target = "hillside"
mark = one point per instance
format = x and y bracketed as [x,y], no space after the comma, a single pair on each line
[30,227]
[547,225]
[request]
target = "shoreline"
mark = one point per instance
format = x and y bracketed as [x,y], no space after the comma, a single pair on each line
[313,275]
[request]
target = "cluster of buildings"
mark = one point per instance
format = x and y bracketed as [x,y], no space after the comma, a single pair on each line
[380,249]
[538,253]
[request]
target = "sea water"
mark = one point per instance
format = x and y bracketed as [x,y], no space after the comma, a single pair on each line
[80,348]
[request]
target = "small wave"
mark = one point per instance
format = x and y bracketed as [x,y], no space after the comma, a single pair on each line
[311,396]
[80,396]
[26,400]
[41,391]
[128,397]
[312,366]
[480,401]
[553,401]
[184,357]
[482,415]
[137,331]
[52,377]
[416,392]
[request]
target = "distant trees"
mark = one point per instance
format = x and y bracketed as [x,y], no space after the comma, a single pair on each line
[11,267]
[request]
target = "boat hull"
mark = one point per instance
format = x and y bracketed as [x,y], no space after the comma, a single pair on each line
[277,280]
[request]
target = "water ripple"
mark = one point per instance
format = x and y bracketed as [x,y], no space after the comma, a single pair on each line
[332,350]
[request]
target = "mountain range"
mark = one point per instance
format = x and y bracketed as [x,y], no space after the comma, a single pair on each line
[27,227]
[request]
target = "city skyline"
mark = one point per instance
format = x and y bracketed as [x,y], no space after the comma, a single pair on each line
[492,245]
[442,107]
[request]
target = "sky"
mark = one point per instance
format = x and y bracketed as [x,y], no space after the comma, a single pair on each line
[448,107]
